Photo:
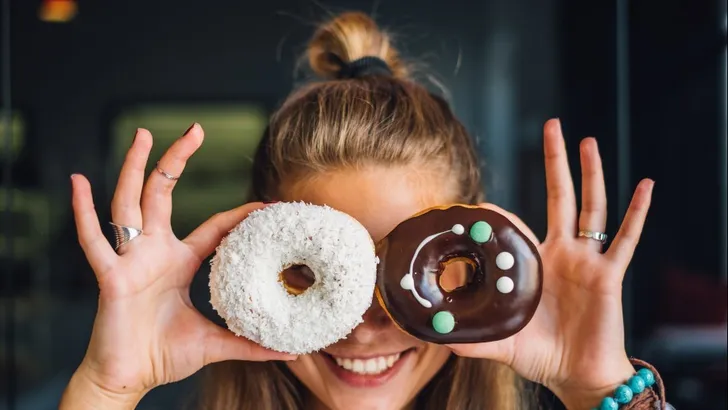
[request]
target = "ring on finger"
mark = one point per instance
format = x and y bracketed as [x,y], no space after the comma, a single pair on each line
[124,234]
[597,236]
[166,174]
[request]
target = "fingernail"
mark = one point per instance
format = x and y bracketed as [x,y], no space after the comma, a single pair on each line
[73,176]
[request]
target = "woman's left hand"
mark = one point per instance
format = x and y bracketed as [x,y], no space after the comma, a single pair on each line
[574,345]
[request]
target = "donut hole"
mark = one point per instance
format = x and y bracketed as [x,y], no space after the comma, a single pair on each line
[456,273]
[297,278]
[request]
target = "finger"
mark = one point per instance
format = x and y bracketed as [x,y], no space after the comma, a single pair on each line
[625,242]
[514,220]
[126,207]
[593,216]
[559,185]
[157,195]
[222,345]
[203,240]
[95,246]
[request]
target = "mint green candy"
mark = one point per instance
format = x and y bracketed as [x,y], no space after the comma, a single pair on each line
[481,232]
[443,322]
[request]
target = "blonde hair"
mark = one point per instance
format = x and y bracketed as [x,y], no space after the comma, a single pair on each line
[341,123]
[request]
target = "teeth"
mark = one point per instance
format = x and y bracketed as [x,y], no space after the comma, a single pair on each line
[375,365]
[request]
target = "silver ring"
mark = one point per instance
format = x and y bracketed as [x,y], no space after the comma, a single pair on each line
[166,174]
[124,234]
[597,236]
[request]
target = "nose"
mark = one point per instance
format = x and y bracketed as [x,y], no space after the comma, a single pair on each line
[376,321]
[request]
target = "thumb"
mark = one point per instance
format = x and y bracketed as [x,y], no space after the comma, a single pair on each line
[499,351]
[222,345]
[203,240]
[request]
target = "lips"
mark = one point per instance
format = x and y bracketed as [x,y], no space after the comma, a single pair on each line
[371,371]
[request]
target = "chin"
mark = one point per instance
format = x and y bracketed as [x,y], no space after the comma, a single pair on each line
[381,379]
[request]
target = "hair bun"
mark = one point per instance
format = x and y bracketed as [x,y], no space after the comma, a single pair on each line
[349,37]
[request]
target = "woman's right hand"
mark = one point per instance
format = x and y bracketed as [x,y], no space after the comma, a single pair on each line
[147,332]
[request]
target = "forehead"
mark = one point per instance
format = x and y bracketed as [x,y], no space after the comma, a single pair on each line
[378,197]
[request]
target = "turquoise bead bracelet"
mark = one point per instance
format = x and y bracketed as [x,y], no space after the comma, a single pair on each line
[626,392]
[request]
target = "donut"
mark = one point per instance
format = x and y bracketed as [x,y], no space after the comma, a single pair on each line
[500,299]
[249,292]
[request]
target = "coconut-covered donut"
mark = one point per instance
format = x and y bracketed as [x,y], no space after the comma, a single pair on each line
[249,293]
[501,297]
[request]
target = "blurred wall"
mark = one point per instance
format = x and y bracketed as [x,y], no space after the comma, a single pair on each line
[499,63]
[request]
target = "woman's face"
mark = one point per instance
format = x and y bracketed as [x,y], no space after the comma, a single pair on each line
[377,366]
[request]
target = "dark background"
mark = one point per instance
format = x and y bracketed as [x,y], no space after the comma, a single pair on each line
[646,77]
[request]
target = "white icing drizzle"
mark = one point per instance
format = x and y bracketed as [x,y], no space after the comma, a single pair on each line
[408,283]
[408,280]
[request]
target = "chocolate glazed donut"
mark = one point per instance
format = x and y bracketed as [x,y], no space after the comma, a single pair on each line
[498,302]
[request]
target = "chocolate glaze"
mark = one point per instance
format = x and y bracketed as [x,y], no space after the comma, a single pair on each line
[482,313]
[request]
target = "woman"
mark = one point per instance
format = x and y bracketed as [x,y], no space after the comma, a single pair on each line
[370,142]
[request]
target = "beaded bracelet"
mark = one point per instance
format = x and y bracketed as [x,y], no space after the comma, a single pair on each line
[637,392]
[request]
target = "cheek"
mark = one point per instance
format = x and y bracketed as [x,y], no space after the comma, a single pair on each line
[432,360]
[306,371]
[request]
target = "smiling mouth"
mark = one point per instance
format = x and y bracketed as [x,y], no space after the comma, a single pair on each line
[367,372]
[374,365]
